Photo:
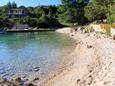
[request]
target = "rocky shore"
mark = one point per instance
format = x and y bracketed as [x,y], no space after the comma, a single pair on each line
[92,63]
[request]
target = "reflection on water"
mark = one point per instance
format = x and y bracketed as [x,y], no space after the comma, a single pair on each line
[20,53]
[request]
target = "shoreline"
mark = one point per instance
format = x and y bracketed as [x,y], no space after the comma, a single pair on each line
[90,64]
[37,30]
[76,66]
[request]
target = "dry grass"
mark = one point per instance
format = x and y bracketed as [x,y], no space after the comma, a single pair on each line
[107,28]
[113,25]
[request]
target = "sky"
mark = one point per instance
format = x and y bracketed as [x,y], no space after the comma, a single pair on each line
[31,2]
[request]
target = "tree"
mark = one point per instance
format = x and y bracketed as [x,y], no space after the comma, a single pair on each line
[22,7]
[46,21]
[67,2]
[68,14]
[74,2]
[53,10]
[104,3]
[107,6]
[14,5]
[93,12]
[111,17]
[9,5]
[79,6]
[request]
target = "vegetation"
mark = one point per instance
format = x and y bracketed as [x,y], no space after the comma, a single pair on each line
[93,12]
[69,12]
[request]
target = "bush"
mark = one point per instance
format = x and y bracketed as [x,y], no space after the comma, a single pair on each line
[46,21]
[4,22]
[94,12]
[68,14]
[107,28]
[111,16]
[27,20]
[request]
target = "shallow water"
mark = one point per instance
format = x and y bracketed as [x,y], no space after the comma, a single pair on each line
[36,53]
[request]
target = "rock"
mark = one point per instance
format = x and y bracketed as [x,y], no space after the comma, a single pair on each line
[107,82]
[36,79]
[5,82]
[89,80]
[18,79]
[30,84]
[89,46]
[114,37]
[72,35]
[78,80]
[90,71]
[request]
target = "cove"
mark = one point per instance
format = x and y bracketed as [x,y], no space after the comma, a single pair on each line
[33,54]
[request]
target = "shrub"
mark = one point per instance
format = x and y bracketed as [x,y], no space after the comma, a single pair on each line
[68,14]
[27,20]
[111,15]
[93,12]
[107,28]
[46,21]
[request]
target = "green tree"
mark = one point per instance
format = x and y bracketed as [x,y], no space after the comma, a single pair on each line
[104,3]
[14,5]
[111,16]
[107,6]
[22,7]
[74,9]
[9,5]
[68,14]
[93,12]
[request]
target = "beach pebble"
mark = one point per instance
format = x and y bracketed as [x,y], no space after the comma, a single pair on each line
[18,79]
[36,79]
[30,84]
[78,80]
[89,46]
[114,37]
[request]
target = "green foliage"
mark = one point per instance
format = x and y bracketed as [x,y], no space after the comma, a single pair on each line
[22,7]
[67,1]
[111,16]
[72,11]
[73,2]
[104,3]
[11,5]
[68,14]
[108,7]
[93,12]
[4,22]
[14,5]
[27,20]
[46,21]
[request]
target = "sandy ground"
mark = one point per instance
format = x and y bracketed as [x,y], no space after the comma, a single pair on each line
[92,63]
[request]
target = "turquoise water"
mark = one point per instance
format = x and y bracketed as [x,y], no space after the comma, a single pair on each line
[36,53]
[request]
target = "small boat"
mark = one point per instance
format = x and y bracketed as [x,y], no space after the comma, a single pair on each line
[2,31]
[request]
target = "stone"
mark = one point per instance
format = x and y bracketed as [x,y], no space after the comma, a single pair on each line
[114,37]
[78,80]
[36,79]
[30,84]
[18,80]
[89,46]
